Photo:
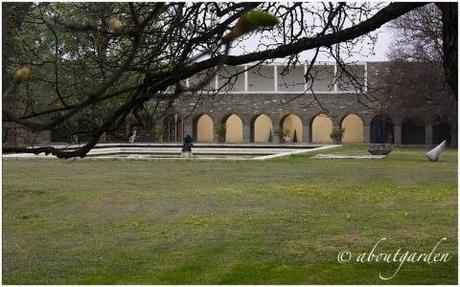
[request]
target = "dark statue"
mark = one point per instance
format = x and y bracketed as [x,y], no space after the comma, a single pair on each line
[379,131]
[187,147]
[380,137]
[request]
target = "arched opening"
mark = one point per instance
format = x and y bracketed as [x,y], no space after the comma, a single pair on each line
[262,129]
[321,129]
[204,129]
[354,128]
[233,129]
[441,132]
[412,132]
[173,127]
[61,134]
[382,129]
[85,128]
[292,124]
[119,134]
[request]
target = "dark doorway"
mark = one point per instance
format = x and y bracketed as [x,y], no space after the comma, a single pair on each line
[441,132]
[412,132]
[61,134]
[388,129]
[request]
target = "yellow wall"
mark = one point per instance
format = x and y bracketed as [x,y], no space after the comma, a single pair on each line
[321,129]
[234,129]
[262,127]
[205,129]
[293,123]
[353,129]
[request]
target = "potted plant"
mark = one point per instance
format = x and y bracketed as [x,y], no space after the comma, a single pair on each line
[282,134]
[221,131]
[337,135]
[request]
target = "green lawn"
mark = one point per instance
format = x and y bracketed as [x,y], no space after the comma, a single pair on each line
[227,222]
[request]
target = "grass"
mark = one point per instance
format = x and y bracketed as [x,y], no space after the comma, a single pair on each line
[223,222]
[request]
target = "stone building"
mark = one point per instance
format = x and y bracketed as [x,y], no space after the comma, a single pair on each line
[263,102]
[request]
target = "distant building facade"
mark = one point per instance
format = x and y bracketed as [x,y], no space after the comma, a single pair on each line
[263,100]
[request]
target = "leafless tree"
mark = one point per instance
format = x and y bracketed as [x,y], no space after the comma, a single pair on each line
[418,35]
[417,53]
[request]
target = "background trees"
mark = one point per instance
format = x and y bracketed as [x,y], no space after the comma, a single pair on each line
[418,35]
[418,53]
[91,76]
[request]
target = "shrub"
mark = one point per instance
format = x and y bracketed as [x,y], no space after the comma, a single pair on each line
[337,135]
[282,134]
[221,131]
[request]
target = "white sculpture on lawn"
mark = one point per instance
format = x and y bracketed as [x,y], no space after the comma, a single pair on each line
[133,137]
[434,154]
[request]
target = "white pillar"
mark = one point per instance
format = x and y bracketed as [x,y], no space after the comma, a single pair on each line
[246,79]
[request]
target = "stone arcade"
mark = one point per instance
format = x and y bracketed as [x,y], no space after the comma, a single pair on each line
[265,99]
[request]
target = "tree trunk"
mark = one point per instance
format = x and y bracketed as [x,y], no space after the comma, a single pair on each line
[450,44]
[13,14]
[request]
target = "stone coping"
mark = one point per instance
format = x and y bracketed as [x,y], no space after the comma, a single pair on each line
[347,156]
[295,152]
[149,153]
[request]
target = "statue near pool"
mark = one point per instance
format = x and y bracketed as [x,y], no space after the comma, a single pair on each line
[187,147]
[132,138]
[380,147]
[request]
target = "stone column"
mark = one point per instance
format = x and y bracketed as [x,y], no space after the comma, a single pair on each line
[188,128]
[215,126]
[453,133]
[397,134]
[246,132]
[306,133]
[275,126]
[366,133]
[127,135]
[428,133]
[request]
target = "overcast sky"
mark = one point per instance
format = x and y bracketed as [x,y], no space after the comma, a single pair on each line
[382,45]
[381,48]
